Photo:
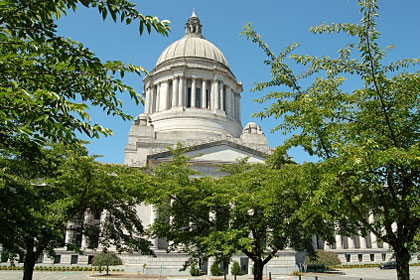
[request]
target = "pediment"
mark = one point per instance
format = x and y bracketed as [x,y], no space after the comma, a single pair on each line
[217,152]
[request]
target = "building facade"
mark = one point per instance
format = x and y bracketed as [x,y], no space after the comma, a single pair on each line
[193,98]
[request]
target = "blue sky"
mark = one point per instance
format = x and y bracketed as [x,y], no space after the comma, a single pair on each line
[280,22]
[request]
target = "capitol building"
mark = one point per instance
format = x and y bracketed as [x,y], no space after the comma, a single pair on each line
[192,97]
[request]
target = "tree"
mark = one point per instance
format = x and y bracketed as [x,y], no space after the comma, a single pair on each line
[194,271]
[39,198]
[366,138]
[47,81]
[323,258]
[215,269]
[236,269]
[46,85]
[255,210]
[106,259]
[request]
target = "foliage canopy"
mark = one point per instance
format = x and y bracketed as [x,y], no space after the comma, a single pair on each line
[366,139]
[255,210]
[47,81]
[106,259]
[322,257]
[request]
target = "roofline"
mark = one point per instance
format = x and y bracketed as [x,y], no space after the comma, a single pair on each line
[212,144]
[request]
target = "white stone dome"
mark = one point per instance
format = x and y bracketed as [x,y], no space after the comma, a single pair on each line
[252,128]
[191,93]
[192,45]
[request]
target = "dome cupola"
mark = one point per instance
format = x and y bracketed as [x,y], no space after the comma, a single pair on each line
[191,92]
[193,26]
[192,44]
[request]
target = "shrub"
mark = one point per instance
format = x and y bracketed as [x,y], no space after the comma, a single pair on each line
[194,270]
[106,259]
[297,273]
[215,269]
[323,258]
[236,269]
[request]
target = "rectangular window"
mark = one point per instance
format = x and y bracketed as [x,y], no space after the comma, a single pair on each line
[372,257]
[348,257]
[57,259]
[383,257]
[360,256]
[74,259]
[90,258]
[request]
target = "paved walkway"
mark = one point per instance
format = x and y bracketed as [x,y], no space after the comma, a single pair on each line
[347,274]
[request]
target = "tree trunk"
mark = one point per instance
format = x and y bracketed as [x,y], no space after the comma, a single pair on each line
[258,269]
[107,270]
[31,257]
[402,257]
[28,267]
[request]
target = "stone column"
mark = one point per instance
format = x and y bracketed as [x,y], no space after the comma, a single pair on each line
[232,102]
[163,96]
[68,238]
[210,262]
[153,94]
[193,93]
[157,97]
[373,238]
[184,92]
[362,240]
[167,97]
[203,94]
[181,91]
[351,243]
[338,243]
[175,90]
[214,94]
[236,107]
[88,219]
[235,104]
[221,96]
[239,107]
[147,101]
[228,101]
[150,108]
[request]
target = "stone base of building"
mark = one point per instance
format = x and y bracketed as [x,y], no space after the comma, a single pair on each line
[171,264]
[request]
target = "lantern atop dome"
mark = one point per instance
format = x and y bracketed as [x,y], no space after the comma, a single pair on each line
[193,26]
